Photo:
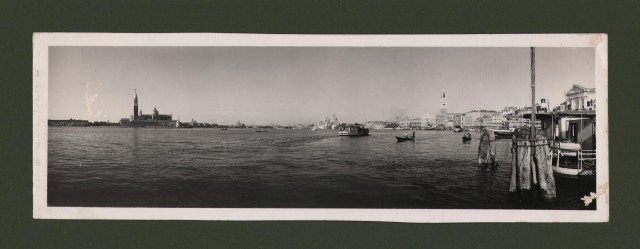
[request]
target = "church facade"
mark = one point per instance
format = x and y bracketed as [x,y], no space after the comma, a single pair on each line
[155,119]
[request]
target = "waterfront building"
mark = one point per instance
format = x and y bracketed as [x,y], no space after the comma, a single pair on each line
[509,111]
[328,123]
[378,125]
[580,98]
[155,119]
[467,120]
[453,119]
[480,118]
[430,120]
[518,122]
[68,122]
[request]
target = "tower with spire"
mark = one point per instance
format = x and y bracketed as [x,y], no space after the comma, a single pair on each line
[155,119]
[443,102]
[135,105]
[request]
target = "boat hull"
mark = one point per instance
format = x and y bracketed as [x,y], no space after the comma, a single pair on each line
[572,173]
[353,135]
[402,139]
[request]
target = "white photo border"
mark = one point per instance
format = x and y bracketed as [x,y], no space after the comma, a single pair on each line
[42,42]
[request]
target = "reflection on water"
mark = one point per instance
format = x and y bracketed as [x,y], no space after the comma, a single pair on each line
[126,167]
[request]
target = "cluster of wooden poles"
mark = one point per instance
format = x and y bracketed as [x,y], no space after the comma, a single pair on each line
[531,169]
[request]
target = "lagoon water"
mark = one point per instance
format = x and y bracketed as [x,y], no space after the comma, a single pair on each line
[128,167]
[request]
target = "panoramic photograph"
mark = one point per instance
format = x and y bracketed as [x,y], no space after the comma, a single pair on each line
[320,127]
[214,131]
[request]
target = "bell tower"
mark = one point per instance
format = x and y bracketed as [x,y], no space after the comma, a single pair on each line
[135,105]
[443,103]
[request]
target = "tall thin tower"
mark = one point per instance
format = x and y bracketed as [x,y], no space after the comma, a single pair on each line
[135,105]
[443,103]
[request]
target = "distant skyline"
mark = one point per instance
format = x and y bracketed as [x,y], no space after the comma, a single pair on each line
[288,85]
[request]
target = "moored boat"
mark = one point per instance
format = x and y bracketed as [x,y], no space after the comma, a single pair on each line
[573,142]
[353,130]
[508,133]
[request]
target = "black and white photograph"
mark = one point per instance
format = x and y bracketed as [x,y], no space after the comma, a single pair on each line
[409,128]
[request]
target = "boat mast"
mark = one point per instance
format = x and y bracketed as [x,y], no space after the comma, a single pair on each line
[533,91]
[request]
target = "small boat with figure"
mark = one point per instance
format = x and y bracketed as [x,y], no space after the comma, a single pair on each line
[262,131]
[407,137]
[466,137]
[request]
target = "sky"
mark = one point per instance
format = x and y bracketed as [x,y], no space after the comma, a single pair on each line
[290,85]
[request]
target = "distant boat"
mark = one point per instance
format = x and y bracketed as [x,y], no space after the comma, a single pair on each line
[354,130]
[262,131]
[466,137]
[223,129]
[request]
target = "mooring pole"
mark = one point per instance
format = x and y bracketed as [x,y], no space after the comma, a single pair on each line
[533,91]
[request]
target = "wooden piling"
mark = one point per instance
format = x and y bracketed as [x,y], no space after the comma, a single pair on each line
[543,159]
[531,165]
[513,183]
[524,165]
[487,149]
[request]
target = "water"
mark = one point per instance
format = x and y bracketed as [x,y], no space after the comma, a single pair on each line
[126,167]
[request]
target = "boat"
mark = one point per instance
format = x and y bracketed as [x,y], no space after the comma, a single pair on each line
[353,130]
[466,137]
[402,139]
[223,129]
[457,128]
[573,142]
[569,160]
[503,133]
[262,131]
[407,137]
